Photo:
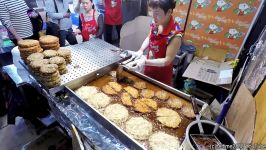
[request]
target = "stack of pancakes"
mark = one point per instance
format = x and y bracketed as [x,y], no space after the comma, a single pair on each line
[35,66]
[34,56]
[49,75]
[27,47]
[50,53]
[49,42]
[60,62]
[65,53]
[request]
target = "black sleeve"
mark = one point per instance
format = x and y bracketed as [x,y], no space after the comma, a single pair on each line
[100,26]
[80,24]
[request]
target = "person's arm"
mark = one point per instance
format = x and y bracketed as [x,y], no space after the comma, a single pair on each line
[145,43]
[51,12]
[77,8]
[171,51]
[100,25]
[5,19]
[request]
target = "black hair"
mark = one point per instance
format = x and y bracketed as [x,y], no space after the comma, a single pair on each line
[165,5]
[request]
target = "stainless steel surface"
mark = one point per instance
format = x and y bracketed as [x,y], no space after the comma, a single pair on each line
[111,127]
[88,57]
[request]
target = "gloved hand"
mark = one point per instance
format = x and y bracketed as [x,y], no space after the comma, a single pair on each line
[134,55]
[137,65]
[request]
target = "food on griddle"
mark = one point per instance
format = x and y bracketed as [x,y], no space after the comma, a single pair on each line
[188,112]
[126,99]
[60,61]
[139,128]
[65,53]
[163,141]
[140,85]
[99,100]
[146,93]
[175,103]
[116,86]
[132,91]
[107,89]
[168,117]
[145,105]
[49,75]
[34,56]
[162,95]
[50,53]
[85,92]
[116,113]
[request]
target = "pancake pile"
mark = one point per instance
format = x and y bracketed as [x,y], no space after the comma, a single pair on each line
[49,42]
[60,62]
[49,75]
[28,47]
[35,66]
[66,54]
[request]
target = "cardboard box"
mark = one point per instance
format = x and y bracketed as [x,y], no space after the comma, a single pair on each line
[209,71]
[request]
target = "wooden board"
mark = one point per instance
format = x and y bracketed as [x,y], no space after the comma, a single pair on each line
[260,129]
[241,115]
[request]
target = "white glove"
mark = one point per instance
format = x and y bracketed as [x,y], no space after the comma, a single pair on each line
[134,55]
[137,65]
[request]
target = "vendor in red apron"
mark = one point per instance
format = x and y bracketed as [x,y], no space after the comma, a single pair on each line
[112,18]
[90,21]
[162,43]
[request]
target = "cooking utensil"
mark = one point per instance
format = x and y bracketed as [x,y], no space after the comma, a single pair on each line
[196,111]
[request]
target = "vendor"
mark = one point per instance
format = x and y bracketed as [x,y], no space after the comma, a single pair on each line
[90,21]
[163,42]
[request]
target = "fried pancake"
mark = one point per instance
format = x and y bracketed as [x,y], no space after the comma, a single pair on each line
[188,112]
[161,140]
[139,128]
[146,93]
[145,105]
[49,53]
[28,43]
[85,92]
[175,103]
[168,117]
[126,99]
[49,69]
[64,52]
[117,87]
[99,100]
[116,113]
[132,91]
[140,85]
[107,89]
[35,56]
[57,60]
[162,95]
[48,39]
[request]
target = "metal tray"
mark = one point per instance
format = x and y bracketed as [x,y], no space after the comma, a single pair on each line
[110,126]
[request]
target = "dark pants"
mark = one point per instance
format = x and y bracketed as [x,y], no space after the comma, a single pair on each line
[109,30]
[67,35]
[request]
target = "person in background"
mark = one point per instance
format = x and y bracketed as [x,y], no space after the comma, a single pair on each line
[112,18]
[90,21]
[13,15]
[62,18]
[36,21]
[163,42]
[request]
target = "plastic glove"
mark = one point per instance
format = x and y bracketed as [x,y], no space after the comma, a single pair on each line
[134,55]
[137,65]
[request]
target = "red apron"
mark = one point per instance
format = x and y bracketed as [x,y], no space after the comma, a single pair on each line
[157,47]
[88,27]
[113,12]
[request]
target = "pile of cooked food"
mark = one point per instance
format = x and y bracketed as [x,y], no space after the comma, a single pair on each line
[128,105]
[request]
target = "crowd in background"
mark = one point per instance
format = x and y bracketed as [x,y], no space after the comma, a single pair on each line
[95,20]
